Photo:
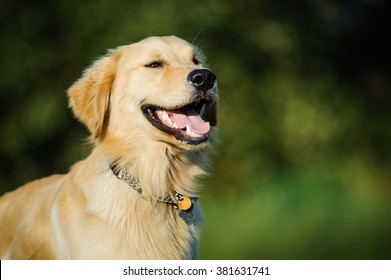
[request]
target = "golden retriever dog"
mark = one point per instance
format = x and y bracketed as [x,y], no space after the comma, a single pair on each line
[150,108]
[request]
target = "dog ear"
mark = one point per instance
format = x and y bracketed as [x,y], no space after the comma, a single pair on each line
[89,96]
[210,113]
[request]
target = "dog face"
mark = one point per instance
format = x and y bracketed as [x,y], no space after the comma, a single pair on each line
[158,89]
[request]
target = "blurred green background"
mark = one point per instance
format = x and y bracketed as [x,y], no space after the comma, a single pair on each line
[303,167]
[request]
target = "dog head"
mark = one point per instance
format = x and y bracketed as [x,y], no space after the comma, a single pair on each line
[158,89]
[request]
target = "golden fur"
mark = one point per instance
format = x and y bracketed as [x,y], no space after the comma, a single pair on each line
[89,213]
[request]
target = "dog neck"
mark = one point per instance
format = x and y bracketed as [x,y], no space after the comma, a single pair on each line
[183,204]
[160,168]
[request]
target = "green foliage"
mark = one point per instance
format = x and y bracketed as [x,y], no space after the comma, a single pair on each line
[302,170]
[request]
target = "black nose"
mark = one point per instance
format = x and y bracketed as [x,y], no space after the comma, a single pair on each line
[202,79]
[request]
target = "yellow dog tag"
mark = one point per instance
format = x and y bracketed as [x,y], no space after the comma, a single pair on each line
[185,203]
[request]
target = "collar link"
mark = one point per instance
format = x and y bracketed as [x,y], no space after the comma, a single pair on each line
[182,203]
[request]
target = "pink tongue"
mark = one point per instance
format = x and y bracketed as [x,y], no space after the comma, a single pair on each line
[191,118]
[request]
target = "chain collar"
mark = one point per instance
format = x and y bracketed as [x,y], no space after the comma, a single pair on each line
[178,201]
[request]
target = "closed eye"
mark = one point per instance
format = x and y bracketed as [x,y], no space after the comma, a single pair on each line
[195,60]
[155,64]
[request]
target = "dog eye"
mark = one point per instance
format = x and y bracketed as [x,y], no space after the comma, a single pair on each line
[154,64]
[196,61]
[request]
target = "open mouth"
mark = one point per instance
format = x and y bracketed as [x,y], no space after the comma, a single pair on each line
[185,123]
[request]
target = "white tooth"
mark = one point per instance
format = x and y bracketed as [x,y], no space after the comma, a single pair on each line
[170,121]
[166,118]
[164,115]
